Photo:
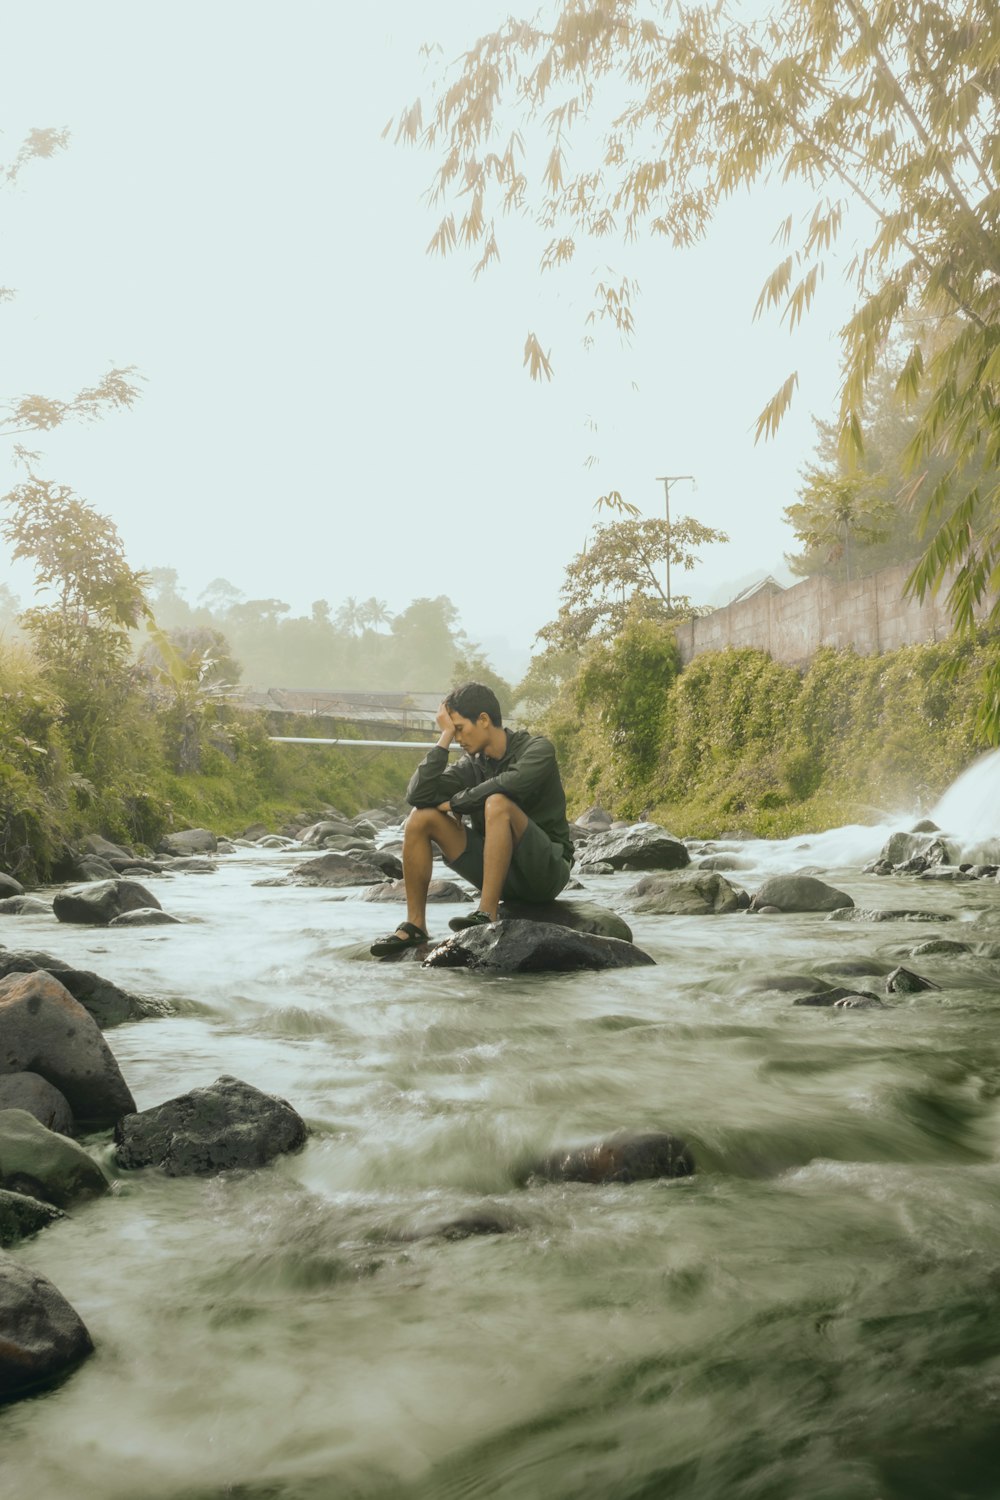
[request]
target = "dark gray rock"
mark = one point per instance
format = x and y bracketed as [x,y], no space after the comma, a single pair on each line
[188,841]
[93,843]
[338,870]
[797,893]
[580,916]
[623,1157]
[835,996]
[95,905]
[641,847]
[31,1092]
[109,1005]
[520,947]
[438,890]
[860,1001]
[724,862]
[24,906]
[45,1165]
[346,843]
[43,1337]
[230,1124]
[193,864]
[888,914]
[91,868]
[9,886]
[595,819]
[327,828]
[365,827]
[904,982]
[390,864]
[946,873]
[691,893]
[598,868]
[925,826]
[144,916]
[256,831]
[44,1030]
[940,948]
[22,1216]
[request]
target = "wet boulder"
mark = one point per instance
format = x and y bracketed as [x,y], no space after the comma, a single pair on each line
[326,828]
[43,1337]
[230,1124]
[888,914]
[389,863]
[724,862]
[641,846]
[595,819]
[798,893]
[92,868]
[24,906]
[580,916]
[96,904]
[622,1157]
[188,841]
[144,916]
[904,982]
[335,869]
[21,1216]
[109,1005]
[690,893]
[103,848]
[38,1097]
[940,948]
[9,886]
[839,996]
[517,946]
[44,1030]
[437,891]
[44,1164]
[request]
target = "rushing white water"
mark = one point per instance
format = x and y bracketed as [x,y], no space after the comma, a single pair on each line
[814,1313]
[970,808]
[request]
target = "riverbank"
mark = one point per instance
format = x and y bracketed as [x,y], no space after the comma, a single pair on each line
[737,742]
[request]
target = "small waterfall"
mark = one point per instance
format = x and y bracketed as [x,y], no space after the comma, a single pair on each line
[970,808]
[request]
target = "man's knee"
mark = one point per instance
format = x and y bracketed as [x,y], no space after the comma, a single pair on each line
[499,806]
[421,820]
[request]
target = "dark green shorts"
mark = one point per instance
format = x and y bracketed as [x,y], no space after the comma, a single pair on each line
[538,871]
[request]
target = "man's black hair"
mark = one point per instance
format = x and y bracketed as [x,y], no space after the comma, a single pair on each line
[472,699]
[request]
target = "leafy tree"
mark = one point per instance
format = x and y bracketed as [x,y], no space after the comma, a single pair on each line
[837,514]
[81,638]
[474,666]
[191,672]
[891,105]
[621,575]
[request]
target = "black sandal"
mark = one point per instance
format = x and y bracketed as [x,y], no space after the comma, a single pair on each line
[474,919]
[387,946]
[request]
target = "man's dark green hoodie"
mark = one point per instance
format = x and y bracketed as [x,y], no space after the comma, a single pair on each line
[527,773]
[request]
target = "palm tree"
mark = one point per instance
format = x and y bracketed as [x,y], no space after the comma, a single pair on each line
[374,613]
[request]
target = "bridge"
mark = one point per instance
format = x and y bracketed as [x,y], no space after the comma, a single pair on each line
[397,713]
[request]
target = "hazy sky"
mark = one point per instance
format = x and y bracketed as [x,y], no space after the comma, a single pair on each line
[327,410]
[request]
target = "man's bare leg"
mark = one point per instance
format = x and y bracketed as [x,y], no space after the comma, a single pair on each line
[505,824]
[424,828]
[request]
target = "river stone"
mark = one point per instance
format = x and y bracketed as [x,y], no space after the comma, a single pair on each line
[31,1092]
[22,1216]
[438,890]
[144,916]
[43,1164]
[865,965]
[795,893]
[939,948]
[44,1030]
[390,864]
[43,1337]
[109,1005]
[24,906]
[97,904]
[693,893]
[345,842]
[92,868]
[338,870]
[227,1125]
[834,996]
[9,886]
[862,1000]
[93,843]
[580,916]
[643,846]
[946,873]
[326,827]
[724,862]
[520,947]
[801,983]
[188,841]
[623,1157]
[255,831]
[595,819]
[888,914]
[904,982]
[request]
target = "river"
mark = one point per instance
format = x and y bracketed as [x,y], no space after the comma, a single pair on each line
[814,1313]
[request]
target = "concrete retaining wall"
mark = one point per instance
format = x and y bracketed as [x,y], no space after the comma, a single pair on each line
[792,624]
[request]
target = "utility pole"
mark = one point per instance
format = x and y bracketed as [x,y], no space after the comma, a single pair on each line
[667,480]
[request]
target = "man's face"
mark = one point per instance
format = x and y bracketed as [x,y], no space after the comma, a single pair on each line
[471,734]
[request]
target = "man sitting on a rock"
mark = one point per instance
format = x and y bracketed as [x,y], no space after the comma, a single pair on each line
[498,817]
